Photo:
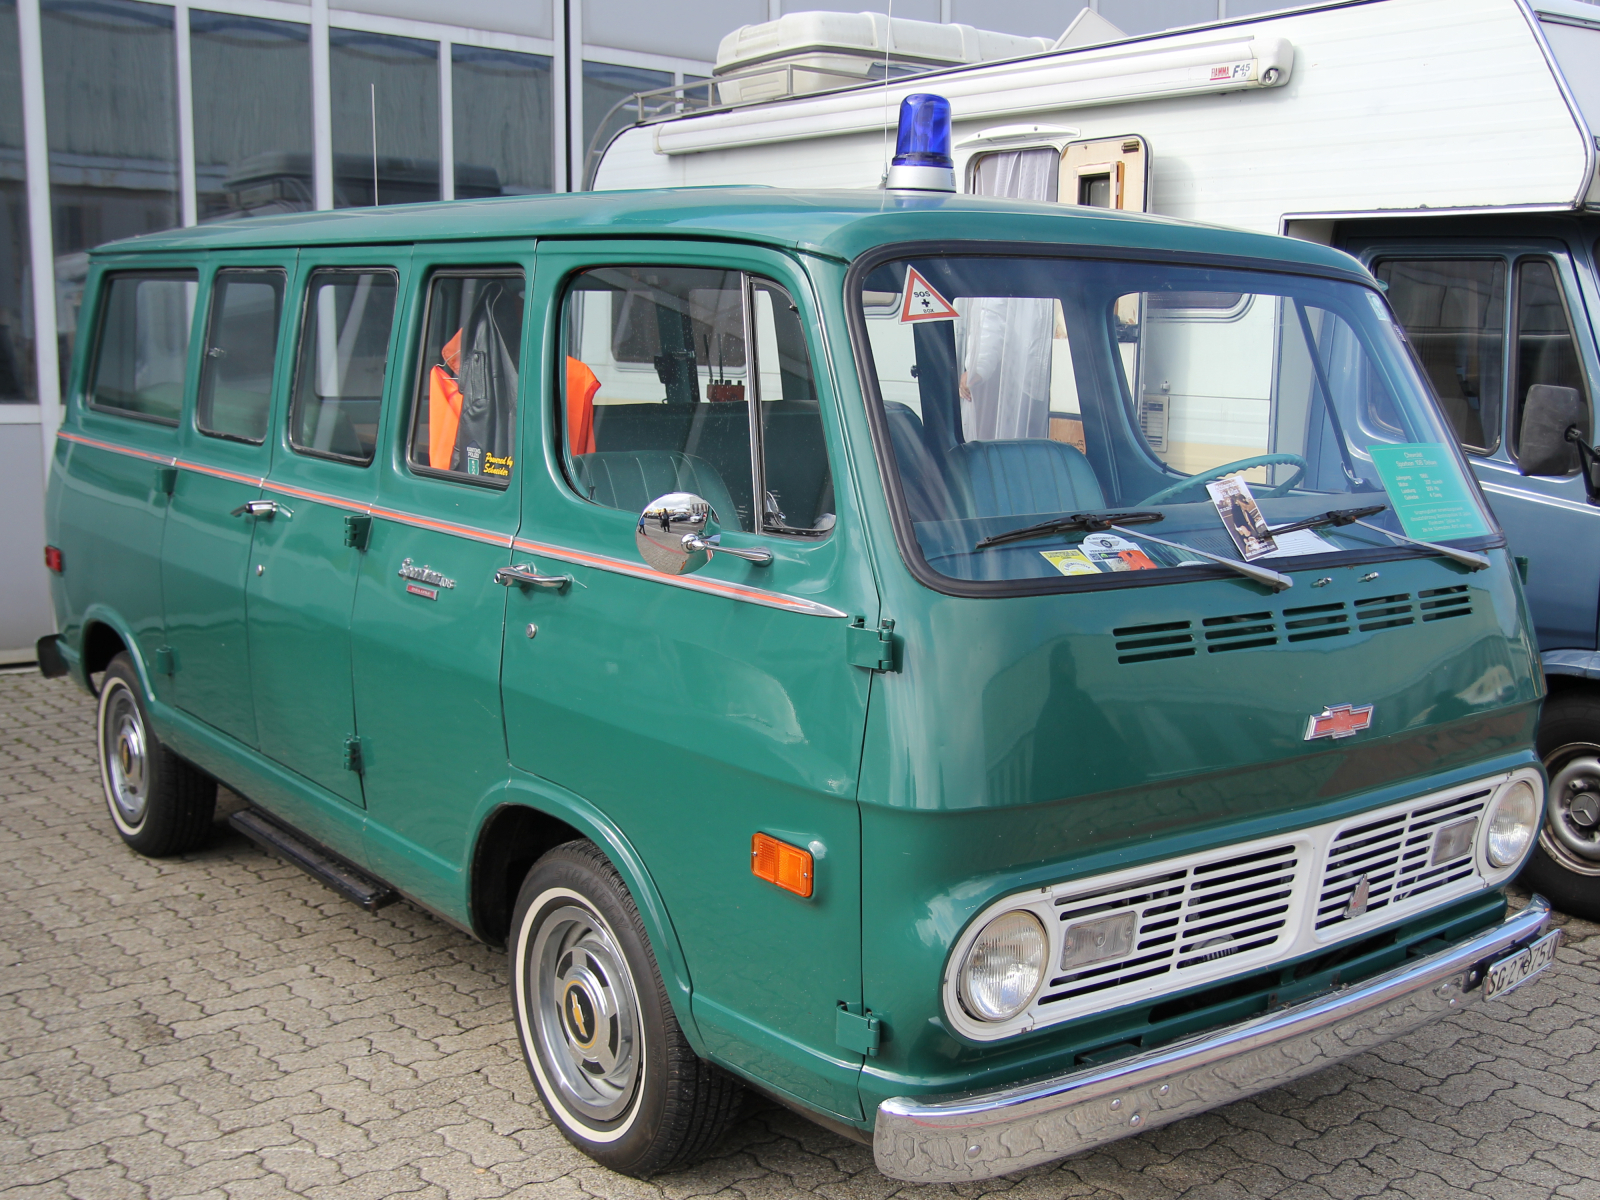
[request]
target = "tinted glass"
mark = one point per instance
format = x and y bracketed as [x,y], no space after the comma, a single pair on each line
[241,348]
[655,389]
[501,113]
[386,90]
[1453,311]
[466,407]
[16,328]
[252,114]
[604,84]
[1547,351]
[142,358]
[344,351]
[798,482]
[1020,392]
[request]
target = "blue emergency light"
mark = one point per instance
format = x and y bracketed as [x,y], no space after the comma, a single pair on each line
[922,161]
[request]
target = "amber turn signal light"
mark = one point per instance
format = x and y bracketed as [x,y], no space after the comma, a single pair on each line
[780,863]
[52,558]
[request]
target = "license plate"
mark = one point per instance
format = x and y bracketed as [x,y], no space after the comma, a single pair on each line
[1522,966]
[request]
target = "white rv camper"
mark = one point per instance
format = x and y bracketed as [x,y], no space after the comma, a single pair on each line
[1449,144]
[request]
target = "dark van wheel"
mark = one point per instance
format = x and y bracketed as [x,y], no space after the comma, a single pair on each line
[160,804]
[1565,867]
[611,1063]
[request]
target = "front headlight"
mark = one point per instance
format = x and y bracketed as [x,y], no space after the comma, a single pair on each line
[1004,966]
[1513,822]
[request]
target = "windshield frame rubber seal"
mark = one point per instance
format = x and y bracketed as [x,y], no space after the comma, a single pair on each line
[992,589]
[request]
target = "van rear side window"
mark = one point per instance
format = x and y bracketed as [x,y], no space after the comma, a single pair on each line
[344,353]
[142,356]
[241,347]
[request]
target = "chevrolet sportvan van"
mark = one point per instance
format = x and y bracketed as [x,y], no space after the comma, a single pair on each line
[765,615]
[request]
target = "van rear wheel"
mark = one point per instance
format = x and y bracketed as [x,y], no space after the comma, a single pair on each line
[160,804]
[1565,867]
[610,1061]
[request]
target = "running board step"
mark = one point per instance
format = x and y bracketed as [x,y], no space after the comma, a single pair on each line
[316,862]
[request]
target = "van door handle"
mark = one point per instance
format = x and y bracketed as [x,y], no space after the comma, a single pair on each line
[528,574]
[260,508]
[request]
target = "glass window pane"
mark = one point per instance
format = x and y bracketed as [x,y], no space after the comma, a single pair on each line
[252,115]
[1453,310]
[344,355]
[798,483]
[501,114]
[1033,174]
[466,406]
[604,84]
[241,349]
[393,83]
[112,113]
[1547,352]
[654,389]
[142,360]
[16,305]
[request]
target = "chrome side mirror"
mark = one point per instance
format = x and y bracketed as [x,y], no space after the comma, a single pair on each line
[678,533]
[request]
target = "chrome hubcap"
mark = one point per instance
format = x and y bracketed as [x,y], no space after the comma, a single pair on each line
[123,750]
[1571,833]
[585,1014]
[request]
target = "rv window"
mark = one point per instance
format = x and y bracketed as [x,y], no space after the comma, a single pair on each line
[464,413]
[1547,351]
[344,352]
[142,358]
[241,349]
[655,389]
[1453,311]
[1032,174]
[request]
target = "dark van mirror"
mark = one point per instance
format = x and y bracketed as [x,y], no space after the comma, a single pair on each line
[1547,415]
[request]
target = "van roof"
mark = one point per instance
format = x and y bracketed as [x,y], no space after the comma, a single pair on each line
[839,224]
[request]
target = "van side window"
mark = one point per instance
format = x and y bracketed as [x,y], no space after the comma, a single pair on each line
[654,379]
[240,350]
[796,480]
[464,415]
[1547,351]
[344,350]
[142,355]
[1453,311]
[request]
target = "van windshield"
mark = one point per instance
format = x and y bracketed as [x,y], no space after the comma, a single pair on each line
[1064,420]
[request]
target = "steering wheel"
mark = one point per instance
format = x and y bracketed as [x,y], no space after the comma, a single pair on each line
[1198,482]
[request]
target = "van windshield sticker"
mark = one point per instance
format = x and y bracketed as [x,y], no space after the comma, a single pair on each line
[1070,562]
[922,301]
[1428,492]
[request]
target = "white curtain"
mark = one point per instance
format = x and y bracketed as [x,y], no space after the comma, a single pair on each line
[1005,342]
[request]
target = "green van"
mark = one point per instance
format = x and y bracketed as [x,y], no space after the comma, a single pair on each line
[777,619]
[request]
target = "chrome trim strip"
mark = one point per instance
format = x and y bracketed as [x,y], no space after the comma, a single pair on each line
[971,1137]
[712,587]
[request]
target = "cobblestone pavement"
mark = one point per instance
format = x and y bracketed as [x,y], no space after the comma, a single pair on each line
[221,1025]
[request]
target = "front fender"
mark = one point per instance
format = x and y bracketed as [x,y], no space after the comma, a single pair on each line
[542,796]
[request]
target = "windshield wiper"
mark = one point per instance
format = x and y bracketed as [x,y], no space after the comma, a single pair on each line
[1334,516]
[1076,523]
[1261,575]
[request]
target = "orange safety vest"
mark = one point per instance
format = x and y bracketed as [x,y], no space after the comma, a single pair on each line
[581,387]
[444,406]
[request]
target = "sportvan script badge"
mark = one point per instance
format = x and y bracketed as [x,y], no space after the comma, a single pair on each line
[1339,721]
[424,575]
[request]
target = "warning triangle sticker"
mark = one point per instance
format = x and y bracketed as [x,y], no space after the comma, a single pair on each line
[922,301]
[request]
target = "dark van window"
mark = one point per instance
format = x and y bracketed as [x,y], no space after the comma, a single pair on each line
[344,352]
[142,359]
[241,348]
[465,411]
[1453,311]
[1547,351]
[654,380]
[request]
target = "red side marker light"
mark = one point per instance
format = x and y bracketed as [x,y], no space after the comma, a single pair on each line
[52,558]
[779,863]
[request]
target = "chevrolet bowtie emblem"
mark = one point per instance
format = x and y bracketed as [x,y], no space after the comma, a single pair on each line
[1359,897]
[1339,721]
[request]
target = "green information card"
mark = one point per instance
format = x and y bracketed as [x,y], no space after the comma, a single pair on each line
[1428,492]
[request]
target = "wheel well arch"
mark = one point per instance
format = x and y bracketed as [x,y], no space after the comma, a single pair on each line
[513,838]
[101,643]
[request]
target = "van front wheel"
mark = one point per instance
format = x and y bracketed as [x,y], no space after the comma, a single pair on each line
[1565,867]
[610,1061]
[160,804]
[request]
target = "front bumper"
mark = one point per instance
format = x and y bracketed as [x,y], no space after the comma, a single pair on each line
[977,1136]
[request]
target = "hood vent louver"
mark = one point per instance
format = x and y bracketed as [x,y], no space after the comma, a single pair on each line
[1240,632]
[1383,612]
[1146,643]
[1316,621]
[1438,604]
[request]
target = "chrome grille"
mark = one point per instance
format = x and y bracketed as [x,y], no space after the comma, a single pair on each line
[1186,918]
[1394,854]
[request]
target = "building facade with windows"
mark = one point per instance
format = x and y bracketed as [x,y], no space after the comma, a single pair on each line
[122,117]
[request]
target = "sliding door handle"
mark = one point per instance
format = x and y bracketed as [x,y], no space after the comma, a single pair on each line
[528,575]
[260,508]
